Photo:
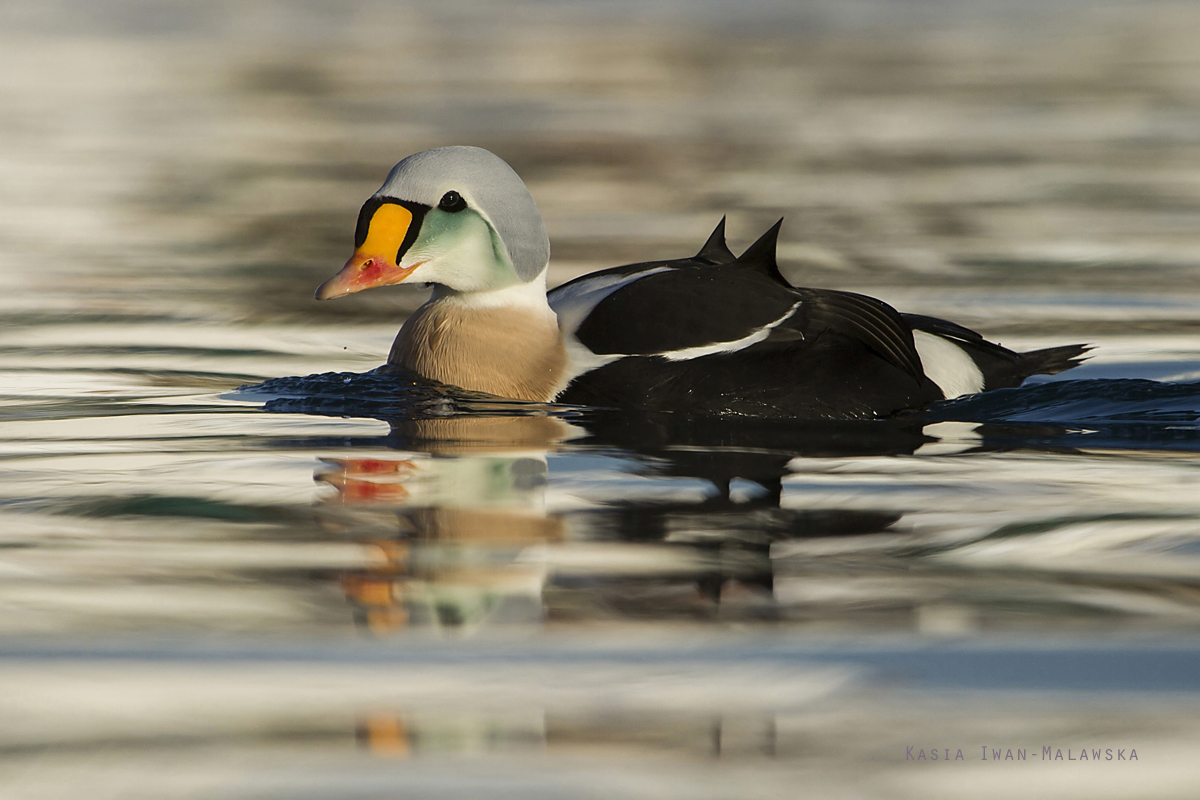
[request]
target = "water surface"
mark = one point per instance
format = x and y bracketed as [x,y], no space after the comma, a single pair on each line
[336,583]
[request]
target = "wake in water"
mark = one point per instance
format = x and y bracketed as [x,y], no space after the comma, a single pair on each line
[387,393]
[1120,414]
[1110,413]
[1077,402]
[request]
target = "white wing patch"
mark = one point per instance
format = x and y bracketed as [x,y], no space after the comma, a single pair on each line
[948,365]
[729,347]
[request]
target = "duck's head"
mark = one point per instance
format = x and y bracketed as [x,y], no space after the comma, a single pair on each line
[455,216]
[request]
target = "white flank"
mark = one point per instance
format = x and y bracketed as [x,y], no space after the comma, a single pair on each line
[948,365]
[729,347]
[580,360]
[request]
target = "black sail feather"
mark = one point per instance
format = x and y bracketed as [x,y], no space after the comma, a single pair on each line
[761,255]
[715,250]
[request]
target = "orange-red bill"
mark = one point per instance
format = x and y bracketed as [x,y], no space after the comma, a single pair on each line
[363,271]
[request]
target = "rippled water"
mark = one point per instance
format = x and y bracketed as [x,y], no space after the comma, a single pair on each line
[236,560]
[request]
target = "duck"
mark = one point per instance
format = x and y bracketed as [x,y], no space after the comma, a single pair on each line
[710,335]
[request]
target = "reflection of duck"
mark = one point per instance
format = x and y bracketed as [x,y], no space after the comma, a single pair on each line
[468,500]
[738,528]
[708,334]
[463,534]
[720,450]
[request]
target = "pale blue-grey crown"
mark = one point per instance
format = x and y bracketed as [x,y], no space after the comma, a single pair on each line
[490,186]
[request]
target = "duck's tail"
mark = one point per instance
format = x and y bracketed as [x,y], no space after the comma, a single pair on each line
[1052,360]
[1000,367]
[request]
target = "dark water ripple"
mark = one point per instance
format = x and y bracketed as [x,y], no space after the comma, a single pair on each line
[1069,402]
[1111,414]
[1104,413]
[388,393]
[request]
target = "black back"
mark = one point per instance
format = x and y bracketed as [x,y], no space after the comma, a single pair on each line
[719,335]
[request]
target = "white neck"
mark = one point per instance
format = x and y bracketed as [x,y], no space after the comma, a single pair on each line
[531,295]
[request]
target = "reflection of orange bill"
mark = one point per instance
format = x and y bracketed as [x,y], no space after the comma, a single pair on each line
[373,466]
[385,735]
[368,590]
[376,594]
[388,474]
[352,490]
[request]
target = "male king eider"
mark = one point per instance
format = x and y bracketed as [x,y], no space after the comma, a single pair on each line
[709,335]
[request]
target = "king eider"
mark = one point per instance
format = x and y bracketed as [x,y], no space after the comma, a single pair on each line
[713,334]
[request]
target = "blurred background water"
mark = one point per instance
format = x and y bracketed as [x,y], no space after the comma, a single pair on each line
[313,589]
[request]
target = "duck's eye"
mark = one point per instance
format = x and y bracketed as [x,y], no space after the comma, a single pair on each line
[452,201]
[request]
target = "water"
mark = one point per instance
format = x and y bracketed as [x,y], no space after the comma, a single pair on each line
[238,562]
